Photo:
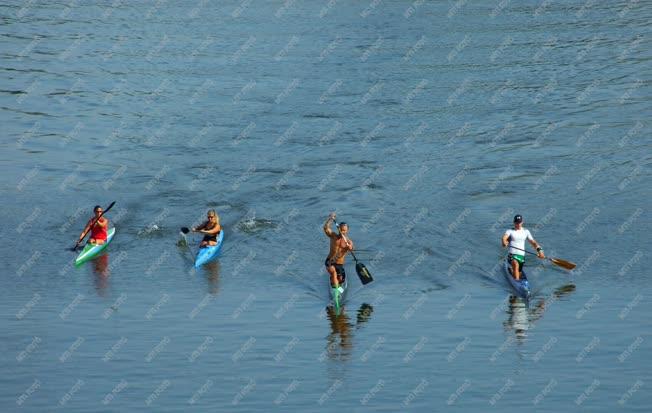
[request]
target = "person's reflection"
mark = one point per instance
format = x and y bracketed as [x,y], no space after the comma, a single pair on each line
[518,319]
[213,276]
[338,342]
[102,274]
[522,315]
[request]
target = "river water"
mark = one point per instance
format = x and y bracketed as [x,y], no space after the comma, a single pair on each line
[425,125]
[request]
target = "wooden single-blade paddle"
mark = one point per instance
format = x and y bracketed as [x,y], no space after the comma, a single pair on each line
[360,268]
[93,224]
[557,261]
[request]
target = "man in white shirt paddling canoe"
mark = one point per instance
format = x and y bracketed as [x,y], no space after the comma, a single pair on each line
[516,238]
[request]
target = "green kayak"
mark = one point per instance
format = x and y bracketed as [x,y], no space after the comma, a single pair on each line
[91,251]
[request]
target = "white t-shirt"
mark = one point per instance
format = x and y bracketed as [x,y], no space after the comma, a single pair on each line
[517,239]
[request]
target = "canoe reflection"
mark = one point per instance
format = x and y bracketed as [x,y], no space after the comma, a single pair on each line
[518,319]
[523,314]
[212,270]
[339,343]
[102,272]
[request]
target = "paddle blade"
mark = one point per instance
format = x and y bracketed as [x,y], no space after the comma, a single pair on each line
[185,230]
[363,273]
[563,263]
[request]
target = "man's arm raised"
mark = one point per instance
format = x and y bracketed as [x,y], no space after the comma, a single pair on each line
[327,226]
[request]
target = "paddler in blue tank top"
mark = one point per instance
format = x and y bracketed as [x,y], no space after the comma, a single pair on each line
[516,238]
[210,228]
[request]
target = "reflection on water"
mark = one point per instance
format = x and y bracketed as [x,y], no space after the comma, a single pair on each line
[186,254]
[339,343]
[364,314]
[102,273]
[519,318]
[210,269]
[523,314]
[213,276]
[564,290]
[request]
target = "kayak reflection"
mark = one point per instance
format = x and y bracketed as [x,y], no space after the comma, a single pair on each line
[523,314]
[519,317]
[212,270]
[339,343]
[102,271]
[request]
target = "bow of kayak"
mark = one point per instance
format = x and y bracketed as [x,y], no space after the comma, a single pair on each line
[207,254]
[521,286]
[91,251]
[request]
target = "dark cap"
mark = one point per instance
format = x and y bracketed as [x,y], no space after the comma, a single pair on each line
[518,218]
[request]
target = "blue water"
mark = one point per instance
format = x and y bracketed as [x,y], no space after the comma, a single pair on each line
[425,125]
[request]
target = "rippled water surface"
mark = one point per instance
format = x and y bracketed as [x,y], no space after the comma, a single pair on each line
[425,125]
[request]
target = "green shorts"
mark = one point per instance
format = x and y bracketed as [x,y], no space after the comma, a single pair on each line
[518,258]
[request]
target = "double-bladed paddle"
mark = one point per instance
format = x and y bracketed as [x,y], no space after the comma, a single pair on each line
[93,224]
[557,261]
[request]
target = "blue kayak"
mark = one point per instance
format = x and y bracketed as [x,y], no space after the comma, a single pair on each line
[207,254]
[522,286]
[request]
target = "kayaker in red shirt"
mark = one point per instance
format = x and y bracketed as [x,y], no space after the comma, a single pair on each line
[210,228]
[98,231]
